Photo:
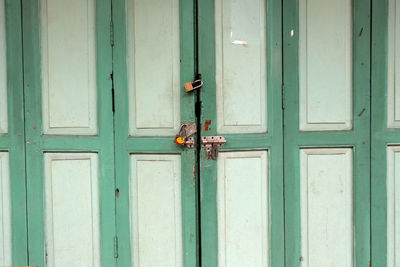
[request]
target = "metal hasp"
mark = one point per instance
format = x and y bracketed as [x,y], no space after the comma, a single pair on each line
[211,143]
[190,142]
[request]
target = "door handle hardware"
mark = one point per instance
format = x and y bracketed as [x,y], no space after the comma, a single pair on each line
[212,143]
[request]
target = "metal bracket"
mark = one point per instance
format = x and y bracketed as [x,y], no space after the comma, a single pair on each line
[190,142]
[211,143]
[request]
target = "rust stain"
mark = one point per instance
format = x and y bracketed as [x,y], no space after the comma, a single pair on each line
[200,127]
[207,125]
[194,172]
[369,265]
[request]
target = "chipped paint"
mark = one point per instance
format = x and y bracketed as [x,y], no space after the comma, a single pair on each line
[207,125]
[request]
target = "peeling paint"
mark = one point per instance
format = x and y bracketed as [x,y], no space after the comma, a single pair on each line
[207,125]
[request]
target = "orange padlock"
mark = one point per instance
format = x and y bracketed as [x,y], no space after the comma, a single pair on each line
[179,140]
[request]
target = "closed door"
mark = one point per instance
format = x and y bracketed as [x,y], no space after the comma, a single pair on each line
[241,191]
[92,97]
[155,178]
[327,132]
[385,133]
[69,132]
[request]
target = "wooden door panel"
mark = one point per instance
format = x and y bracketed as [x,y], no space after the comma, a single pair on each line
[326,79]
[243,208]
[72,216]
[326,195]
[393,202]
[240,45]
[3,71]
[156,210]
[68,67]
[393,61]
[5,211]
[153,58]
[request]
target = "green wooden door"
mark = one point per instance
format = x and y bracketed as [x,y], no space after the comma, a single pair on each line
[13,245]
[327,132]
[385,139]
[155,178]
[69,132]
[104,98]
[241,193]
[92,95]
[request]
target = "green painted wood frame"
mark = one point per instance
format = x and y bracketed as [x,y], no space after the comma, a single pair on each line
[358,138]
[381,135]
[126,145]
[37,144]
[272,141]
[14,141]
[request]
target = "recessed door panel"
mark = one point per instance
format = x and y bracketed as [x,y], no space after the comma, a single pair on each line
[68,57]
[3,71]
[156,210]
[240,42]
[72,218]
[393,205]
[243,208]
[326,207]
[325,64]
[393,93]
[153,56]
[5,211]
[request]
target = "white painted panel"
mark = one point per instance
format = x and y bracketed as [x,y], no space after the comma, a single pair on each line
[68,54]
[240,40]
[156,213]
[5,211]
[72,221]
[393,64]
[326,207]
[242,196]
[3,71]
[153,67]
[325,65]
[393,206]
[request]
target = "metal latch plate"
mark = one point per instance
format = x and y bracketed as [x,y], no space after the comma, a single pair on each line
[212,143]
[190,142]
